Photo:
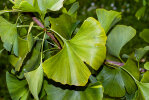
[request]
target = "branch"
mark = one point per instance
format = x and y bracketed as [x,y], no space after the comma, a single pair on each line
[114,63]
[48,33]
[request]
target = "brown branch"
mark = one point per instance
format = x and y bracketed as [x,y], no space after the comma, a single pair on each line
[48,33]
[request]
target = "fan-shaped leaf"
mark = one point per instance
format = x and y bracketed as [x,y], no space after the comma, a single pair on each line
[35,79]
[40,6]
[23,51]
[118,37]
[118,80]
[92,92]
[108,18]
[8,34]
[64,25]
[17,88]
[88,45]
[145,35]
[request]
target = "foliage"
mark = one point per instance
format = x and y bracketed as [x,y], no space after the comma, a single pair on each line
[53,56]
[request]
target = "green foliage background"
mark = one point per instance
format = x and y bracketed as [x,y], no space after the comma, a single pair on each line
[87,9]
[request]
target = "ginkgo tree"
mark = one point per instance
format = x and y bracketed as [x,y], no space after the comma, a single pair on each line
[55,57]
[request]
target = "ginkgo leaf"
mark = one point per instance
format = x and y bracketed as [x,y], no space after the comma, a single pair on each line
[8,34]
[64,25]
[145,35]
[17,89]
[33,62]
[39,6]
[139,53]
[118,37]
[92,92]
[118,80]
[23,51]
[108,18]
[88,46]
[35,79]
[142,92]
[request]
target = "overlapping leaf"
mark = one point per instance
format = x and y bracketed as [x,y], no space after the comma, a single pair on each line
[64,25]
[88,45]
[8,34]
[108,18]
[35,79]
[40,6]
[118,80]
[23,51]
[118,37]
[92,92]
[17,88]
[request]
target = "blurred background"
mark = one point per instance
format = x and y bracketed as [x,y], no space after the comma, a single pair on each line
[135,13]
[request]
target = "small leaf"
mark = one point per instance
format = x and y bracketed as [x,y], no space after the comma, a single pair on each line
[92,92]
[73,8]
[35,79]
[139,53]
[142,93]
[33,61]
[17,88]
[118,37]
[140,13]
[8,34]
[23,51]
[64,25]
[145,35]
[88,46]
[145,78]
[67,2]
[30,39]
[146,65]
[108,18]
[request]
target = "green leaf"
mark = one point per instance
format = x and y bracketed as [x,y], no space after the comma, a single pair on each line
[146,65]
[118,80]
[145,78]
[118,37]
[67,2]
[88,46]
[33,61]
[142,93]
[108,18]
[92,92]
[145,35]
[35,79]
[23,51]
[73,8]
[30,39]
[140,13]
[8,34]
[17,88]
[64,25]
[39,6]
[139,53]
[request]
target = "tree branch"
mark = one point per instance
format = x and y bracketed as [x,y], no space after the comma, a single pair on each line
[48,33]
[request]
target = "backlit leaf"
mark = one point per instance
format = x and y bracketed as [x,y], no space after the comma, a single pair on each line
[35,79]
[108,18]
[88,45]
